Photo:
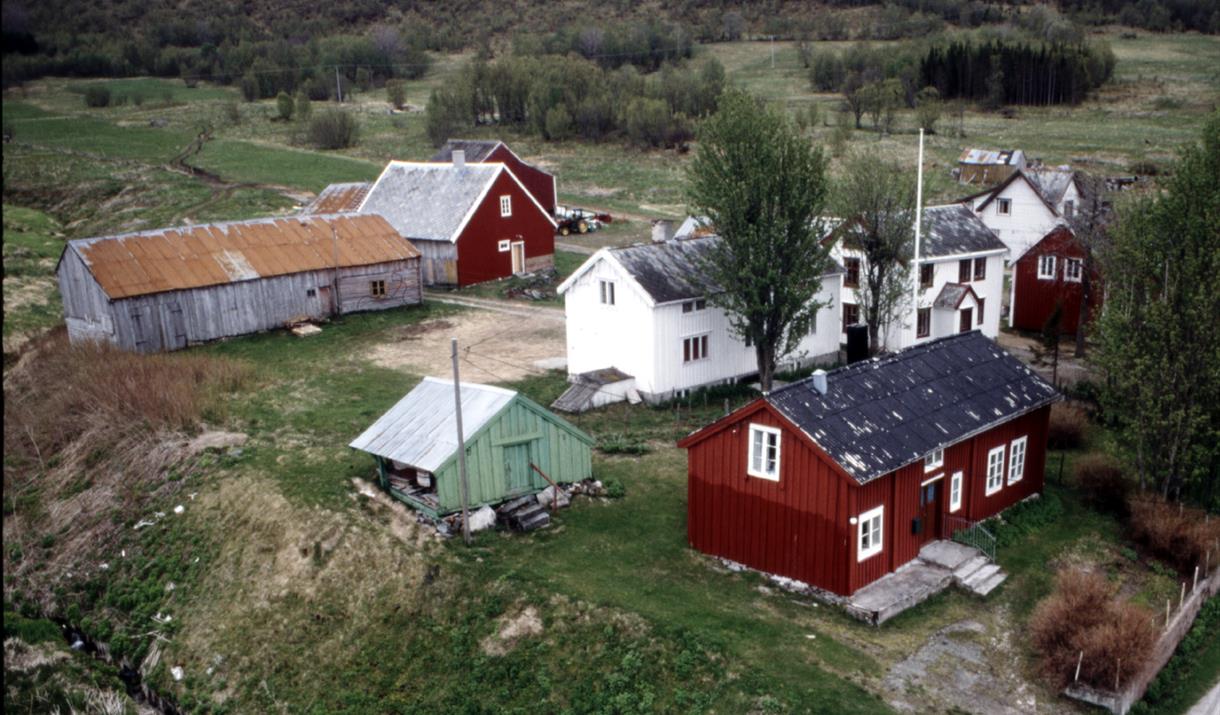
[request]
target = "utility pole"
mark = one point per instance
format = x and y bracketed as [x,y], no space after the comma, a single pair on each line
[918,230]
[338,86]
[463,489]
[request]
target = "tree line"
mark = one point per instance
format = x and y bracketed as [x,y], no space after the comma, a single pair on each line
[1002,73]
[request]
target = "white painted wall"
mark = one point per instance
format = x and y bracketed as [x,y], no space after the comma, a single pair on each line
[646,341]
[1029,219]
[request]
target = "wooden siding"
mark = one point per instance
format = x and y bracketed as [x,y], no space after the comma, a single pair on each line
[478,252]
[438,262]
[1034,298]
[793,527]
[539,183]
[176,319]
[552,444]
[1032,425]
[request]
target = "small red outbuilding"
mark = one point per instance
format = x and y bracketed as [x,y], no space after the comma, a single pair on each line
[1051,272]
[840,478]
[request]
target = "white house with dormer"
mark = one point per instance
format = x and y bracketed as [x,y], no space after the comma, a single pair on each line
[639,322]
[961,279]
[1027,205]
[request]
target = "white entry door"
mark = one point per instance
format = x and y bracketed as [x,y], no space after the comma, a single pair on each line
[518,248]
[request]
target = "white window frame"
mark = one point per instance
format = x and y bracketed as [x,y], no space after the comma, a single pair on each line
[955,492]
[1016,459]
[1070,275]
[505,245]
[995,459]
[1003,207]
[874,520]
[934,460]
[606,289]
[506,206]
[752,455]
[702,341]
[1044,261]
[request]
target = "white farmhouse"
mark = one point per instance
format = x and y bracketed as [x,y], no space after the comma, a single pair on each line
[638,322]
[961,278]
[1027,205]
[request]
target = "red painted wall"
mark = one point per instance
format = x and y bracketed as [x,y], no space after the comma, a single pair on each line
[800,526]
[540,183]
[1034,298]
[479,256]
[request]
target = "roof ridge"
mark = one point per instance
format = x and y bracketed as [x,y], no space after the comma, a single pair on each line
[473,385]
[222,224]
[880,360]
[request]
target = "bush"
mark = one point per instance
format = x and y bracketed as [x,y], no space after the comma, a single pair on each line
[284,106]
[232,113]
[249,87]
[334,129]
[1024,518]
[1102,483]
[614,488]
[396,93]
[1178,535]
[559,124]
[1067,426]
[97,96]
[304,108]
[619,443]
[1083,615]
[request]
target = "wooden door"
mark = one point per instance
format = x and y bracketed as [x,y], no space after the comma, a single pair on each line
[517,468]
[518,257]
[929,511]
[967,320]
[174,326]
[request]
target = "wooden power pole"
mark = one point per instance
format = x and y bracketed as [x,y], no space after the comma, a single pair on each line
[461,442]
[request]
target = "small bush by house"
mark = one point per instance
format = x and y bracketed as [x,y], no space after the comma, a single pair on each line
[1178,535]
[334,130]
[1082,615]
[1068,425]
[1102,482]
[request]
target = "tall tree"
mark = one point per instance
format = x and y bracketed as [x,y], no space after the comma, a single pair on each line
[763,187]
[1159,336]
[877,201]
[1089,223]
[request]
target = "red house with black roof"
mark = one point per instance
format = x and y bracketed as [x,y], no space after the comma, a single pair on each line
[841,478]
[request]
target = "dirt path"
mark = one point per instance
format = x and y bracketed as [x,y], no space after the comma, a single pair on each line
[510,307]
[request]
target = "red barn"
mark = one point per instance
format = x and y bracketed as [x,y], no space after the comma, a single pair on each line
[1051,272]
[471,222]
[540,183]
[840,478]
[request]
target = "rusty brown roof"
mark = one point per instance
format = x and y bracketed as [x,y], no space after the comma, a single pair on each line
[213,254]
[338,198]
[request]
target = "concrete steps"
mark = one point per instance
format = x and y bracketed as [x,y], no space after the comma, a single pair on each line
[979,576]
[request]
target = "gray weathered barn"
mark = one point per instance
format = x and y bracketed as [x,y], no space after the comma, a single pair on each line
[170,288]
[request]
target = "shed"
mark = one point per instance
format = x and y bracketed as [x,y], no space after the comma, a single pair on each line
[173,287]
[509,439]
[1052,272]
[841,478]
[988,166]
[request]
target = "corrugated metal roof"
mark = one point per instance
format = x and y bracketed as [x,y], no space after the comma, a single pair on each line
[429,201]
[1001,157]
[421,430]
[881,414]
[338,198]
[213,254]
[955,229]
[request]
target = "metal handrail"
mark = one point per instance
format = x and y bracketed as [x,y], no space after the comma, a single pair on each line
[972,533]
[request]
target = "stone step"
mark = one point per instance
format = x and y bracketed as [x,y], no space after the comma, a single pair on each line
[968,569]
[981,576]
[990,584]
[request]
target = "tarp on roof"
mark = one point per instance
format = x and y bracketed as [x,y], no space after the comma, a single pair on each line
[429,201]
[882,414]
[421,430]
[213,254]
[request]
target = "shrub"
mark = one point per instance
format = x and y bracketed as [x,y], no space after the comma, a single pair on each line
[1024,518]
[249,87]
[1178,535]
[232,113]
[303,106]
[1067,426]
[614,488]
[334,129]
[284,106]
[619,443]
[396,93]
[1102,483]
[97,96]
[1081,614]
[559,124]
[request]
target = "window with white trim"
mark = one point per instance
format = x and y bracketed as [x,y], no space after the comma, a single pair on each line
[607,292]
[955,492]
[1046,268]
[995,470]
[1016,460]
[694,348]
[1072,269]
[506,206]
[764,452]
[934,460]
[1003,207]
[870,533]
[505,246]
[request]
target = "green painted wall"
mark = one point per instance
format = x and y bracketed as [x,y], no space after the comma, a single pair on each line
[498,456]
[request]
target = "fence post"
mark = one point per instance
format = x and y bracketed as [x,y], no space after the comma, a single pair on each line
[1167,614]
[1079,661]
[1182,596]
[1195,585]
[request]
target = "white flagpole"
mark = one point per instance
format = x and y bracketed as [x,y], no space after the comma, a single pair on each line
[918,229]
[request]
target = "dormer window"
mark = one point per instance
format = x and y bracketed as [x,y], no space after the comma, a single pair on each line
[934,460]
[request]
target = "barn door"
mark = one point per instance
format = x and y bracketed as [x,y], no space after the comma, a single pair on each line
[174,325]
[517,468]
[140,328]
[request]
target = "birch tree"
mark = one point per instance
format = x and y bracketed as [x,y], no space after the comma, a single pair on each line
[763,187]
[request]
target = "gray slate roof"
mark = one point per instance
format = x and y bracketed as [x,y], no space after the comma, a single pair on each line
[476,149]
[421,430]
[670,271]
[951,295]
[955,229]
[1051,183]
[428,201]
[882,414]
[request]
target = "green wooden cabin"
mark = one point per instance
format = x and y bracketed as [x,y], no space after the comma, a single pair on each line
[509,439]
